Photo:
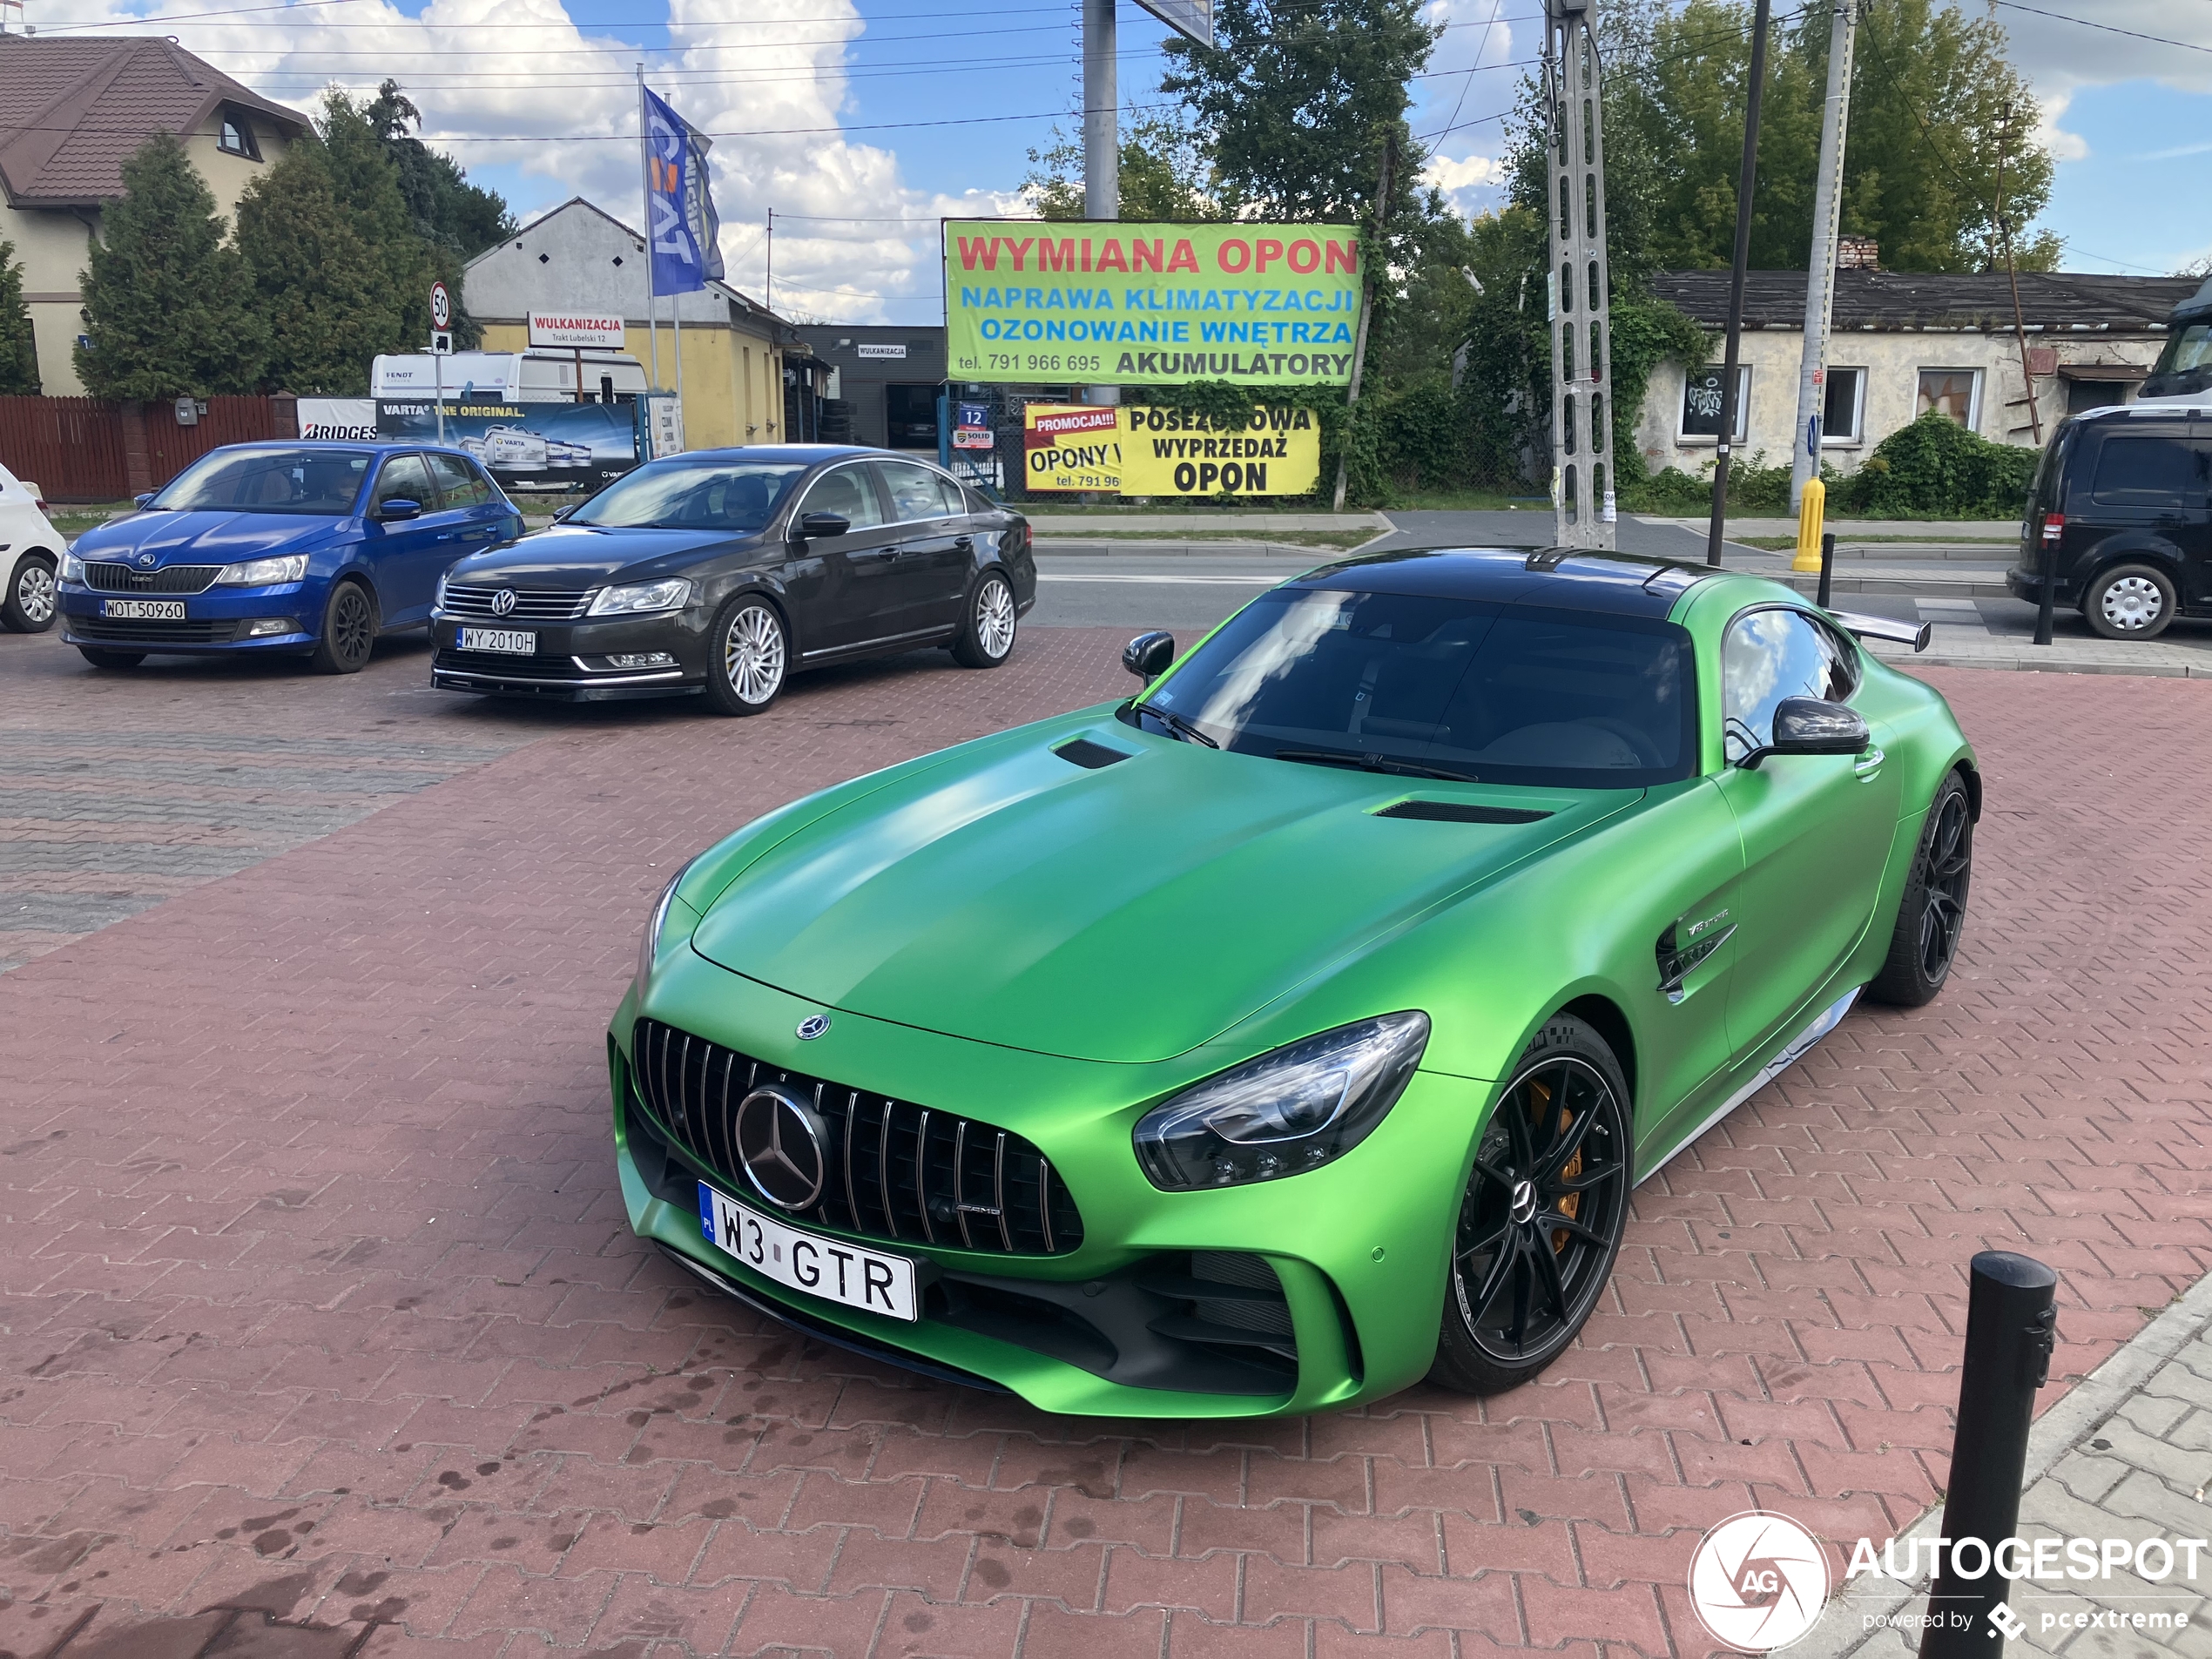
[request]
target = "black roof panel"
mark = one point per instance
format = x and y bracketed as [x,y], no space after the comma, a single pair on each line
[1616,583]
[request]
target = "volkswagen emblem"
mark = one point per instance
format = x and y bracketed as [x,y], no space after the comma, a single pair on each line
[503,603]
[779,1143]
[813,1026]
[145,561]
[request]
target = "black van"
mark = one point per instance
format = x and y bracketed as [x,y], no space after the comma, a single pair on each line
[2121,511]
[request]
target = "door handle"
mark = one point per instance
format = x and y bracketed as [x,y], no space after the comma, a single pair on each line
[1869,765]
[965,543]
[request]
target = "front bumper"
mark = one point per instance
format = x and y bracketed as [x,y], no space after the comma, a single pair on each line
[570,664]
[1128,1323]
[216,620]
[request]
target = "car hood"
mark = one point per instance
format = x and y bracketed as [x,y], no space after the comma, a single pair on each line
[571,556]
[219,537]
[1128,914]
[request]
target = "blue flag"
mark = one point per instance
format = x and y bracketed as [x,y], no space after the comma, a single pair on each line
[682,229]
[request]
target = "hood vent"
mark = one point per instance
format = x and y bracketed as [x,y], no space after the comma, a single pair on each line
[1452,812]
[1088,755]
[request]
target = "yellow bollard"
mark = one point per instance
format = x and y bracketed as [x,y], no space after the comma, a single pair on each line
[1810,511]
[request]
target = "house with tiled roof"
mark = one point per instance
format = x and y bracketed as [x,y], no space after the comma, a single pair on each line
[1902,343]
[71,109]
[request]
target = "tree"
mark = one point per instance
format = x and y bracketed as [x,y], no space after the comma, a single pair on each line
[367,180]
[447,209]
[317,280]
[165,295]
[1163,170]
[18,347]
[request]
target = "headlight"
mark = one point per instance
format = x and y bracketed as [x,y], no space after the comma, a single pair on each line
[264,573]
[438,599]
[1286,1112]
[72,568]
[640,597]
[650,946]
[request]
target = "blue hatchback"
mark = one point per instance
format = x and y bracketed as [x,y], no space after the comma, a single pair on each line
[314,548]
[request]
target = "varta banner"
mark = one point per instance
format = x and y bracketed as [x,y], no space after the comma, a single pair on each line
[1109,304]
[1137,450]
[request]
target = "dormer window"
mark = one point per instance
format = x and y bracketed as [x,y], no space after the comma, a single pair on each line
[234,137]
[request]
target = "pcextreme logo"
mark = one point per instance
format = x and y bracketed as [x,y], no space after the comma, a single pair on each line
[1759,1581]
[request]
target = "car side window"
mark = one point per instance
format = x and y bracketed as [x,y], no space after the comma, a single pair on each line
[2146,471]
[458,482]
[404,475]
[914,491]
[1769,655]
[847,492]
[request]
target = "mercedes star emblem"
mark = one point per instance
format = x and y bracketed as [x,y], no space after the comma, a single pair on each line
[503,603]
[779,1143]
[813,1026]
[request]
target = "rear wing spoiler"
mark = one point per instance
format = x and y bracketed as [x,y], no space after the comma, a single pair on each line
[1915,634]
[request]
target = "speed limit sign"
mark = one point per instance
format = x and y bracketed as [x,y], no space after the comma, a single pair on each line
[441,306]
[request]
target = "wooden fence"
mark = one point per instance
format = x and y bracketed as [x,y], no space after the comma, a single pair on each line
[84,449]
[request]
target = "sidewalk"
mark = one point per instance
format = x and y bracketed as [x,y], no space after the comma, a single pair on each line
[1969,646]
[1949,530]
[1089,525]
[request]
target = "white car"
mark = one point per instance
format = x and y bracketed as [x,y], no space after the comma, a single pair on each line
[30,552]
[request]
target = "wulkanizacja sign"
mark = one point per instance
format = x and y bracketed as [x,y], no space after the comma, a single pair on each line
[1134,304]
[1138,449]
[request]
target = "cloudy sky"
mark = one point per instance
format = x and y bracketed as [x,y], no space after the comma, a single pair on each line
[861,122]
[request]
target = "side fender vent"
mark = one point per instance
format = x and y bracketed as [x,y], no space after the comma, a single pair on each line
[1088,755]
[1454,811]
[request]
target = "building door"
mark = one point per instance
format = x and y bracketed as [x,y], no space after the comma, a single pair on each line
[910,416]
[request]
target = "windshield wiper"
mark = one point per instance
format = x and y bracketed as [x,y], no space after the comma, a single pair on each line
[1374,763]
[1177,723]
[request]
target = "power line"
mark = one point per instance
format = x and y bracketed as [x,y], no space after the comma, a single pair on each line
[2110,29]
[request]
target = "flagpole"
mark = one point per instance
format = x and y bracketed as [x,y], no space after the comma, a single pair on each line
[645,178]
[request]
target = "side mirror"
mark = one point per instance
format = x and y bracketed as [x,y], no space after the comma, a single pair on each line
[824,524]
[1807,725]
[1147,656]
[398,507]
[560,514]
[143,500]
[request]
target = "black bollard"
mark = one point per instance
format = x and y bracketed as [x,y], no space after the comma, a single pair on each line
[2011,1325]
[1827,567]
[2049,595]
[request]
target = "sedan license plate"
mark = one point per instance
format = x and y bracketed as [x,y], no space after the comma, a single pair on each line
[828,1268]
[143,610]
[505,639]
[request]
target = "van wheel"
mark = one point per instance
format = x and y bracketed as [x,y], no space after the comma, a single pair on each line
[28,607]
[2130,602]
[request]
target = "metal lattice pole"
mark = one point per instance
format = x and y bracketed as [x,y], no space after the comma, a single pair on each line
[1581,296]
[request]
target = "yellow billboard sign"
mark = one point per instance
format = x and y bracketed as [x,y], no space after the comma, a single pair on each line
[1104,303]
[1071,446]
[1140,450]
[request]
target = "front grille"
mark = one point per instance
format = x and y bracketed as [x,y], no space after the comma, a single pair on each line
[531,605]
[171,578]
[138,631]
[897,1170]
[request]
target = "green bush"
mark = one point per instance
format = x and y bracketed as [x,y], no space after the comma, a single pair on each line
[1936,469]
[1753,487]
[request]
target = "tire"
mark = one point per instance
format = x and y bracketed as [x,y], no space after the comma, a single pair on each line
[100,658]
[2130,602]
[1541,1219]
[748,657]
[30,605]
[1932,914]
[349,633]
[987,623]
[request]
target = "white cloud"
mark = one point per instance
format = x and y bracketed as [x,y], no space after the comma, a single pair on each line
[1459,179]
[2061,145]
[2056,54]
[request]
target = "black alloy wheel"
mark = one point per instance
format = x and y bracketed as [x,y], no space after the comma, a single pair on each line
[29,604]
[986,637]
[1542,1217]
[348,631]
[748,656]
[1933,915]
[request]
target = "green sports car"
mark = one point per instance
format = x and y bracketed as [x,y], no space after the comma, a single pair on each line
[1300,1027]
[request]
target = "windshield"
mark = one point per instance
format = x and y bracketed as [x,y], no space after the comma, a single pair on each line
[682,494]
[314,480]
[2185,366]
[1507,694]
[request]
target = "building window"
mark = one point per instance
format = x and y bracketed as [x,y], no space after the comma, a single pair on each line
[1843,406]
[1955,394]
[234,137]
[1700,403]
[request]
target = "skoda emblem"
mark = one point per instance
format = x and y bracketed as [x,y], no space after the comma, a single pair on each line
[503,603]
[145,561]
[779,1143]
[813,1026]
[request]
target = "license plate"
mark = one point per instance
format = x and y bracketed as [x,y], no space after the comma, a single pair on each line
[829,1268]
[143,610]
[506,639]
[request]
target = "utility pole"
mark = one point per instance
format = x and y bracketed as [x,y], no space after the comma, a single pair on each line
[1820,275]
[1746,186]
[2012,272]
[1582,413]
[1101,137]
[1367,297]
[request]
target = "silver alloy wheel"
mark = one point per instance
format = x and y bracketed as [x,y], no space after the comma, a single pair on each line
[35,594]
[753,655]
[2132,603]
[994,617]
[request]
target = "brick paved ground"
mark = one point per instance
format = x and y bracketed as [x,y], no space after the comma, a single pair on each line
[317,1304]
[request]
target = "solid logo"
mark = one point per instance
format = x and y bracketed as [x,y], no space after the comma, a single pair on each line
[1759,1581]
[503,603]
[2009,1624]
[813,1026]
[779,1143]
